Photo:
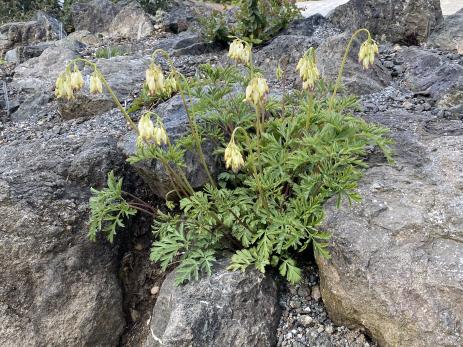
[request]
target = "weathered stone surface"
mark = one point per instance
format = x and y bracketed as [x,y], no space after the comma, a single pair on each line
[56,287]
[131,22]
[53,25]
[226,309]
[176,123]
[123,73]
[40,73]
[357,80]
[27,33]
[288,48]
[285,50]
[405,21]
[449,35]
[85,37]
[95,16]
[396,265]
[433,73]
[22,53]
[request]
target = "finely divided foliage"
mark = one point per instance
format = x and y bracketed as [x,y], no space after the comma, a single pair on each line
[287,156]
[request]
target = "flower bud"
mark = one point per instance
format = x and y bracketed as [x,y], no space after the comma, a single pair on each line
[171,85]
[145,128]
[257,91]
[77,81]
[96,86]
[155,80]
[160,135]
[233,157]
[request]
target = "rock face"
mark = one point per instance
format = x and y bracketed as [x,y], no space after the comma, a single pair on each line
[40,73]
[288,48]
[123,73]
[449,35]
[403,21]
[26,33]
[176,123]
[429,72]
[226,309]
[396,265]
[131,22]
[355,78]
[56,287]
[95,16]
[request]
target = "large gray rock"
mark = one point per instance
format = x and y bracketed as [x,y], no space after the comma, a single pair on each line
[226,309]
[356,79]
[40,73]
[131,22]
[430,72]
[405,21]
[176,123]
[449,35]
[22,53]
[56,287]
[124,74]
[34,80]
[16,34]
[95,16]
[288,48]
[396,266]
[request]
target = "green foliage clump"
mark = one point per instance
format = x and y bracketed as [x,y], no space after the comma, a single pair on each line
[307,156]
[257,21]
[109,52]
[21,10]
[109,209]
[288,156]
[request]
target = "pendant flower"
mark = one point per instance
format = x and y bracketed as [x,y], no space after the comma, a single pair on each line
[155,80]
[77,81]
[96,86]
[367,53]
[257,91]
[63,88]
[307,67]
[233,157]
[145,128]
[240,51]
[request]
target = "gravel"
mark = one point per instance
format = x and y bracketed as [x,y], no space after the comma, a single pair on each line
[305,322]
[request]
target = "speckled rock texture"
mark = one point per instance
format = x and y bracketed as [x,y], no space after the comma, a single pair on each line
[395,21]
[226,309]
[355,79]
[396,266]
[57,288]
[449,35]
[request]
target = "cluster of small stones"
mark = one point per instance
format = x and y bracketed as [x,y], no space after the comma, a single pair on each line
[397,97]
[304,321]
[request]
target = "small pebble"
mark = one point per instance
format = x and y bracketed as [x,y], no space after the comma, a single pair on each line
[154,290]
[316,293]
[306,320]
[329,329]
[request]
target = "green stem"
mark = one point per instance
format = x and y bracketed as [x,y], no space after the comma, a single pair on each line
[310,104]
[191,119]
[259,128]
[197,138]
[343,63]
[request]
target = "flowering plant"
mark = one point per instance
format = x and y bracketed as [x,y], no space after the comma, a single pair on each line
[284,158]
